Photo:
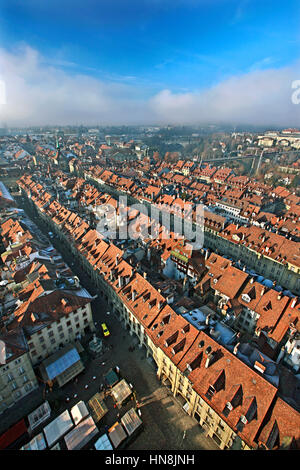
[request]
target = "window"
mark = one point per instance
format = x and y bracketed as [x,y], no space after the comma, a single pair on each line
[28,387]
[77,326]
[42,339]
[33,352]
[216,439]
[221,425]
[210,392]
[51,334]
[59,328]
[68,323]
[62,335]
[70,330]
[52,341]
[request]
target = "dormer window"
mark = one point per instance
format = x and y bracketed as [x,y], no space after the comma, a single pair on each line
[210,392]
[228,407]
[185,329]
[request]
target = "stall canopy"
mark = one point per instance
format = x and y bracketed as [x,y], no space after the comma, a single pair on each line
[103,443]
[37,443]
[131,421]
[98,407]
[121,391]
[111,378]
[79,412]
[117,434]
[63,365]
[81,434]
[12,434]
[38,416]
[58,427]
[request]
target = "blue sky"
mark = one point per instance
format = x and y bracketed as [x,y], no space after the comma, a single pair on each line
[151,47]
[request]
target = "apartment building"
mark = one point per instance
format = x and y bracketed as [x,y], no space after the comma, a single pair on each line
[52,320]
[17,377]
[231,400]
[269,254]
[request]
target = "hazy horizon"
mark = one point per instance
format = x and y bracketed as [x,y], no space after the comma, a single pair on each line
[149,62]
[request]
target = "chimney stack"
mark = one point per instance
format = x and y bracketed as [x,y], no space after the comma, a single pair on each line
[209,359]
[121,281]
[294,301]
[235,349]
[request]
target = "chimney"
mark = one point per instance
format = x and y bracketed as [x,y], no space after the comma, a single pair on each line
[207,319]
[134,292]
[117,259]
[145,275]
[209,359]
[235,349]
[121,281]
[262,291]
[251,280]
[294,301]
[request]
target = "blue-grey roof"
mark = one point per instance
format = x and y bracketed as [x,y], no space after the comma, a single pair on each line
[63,363]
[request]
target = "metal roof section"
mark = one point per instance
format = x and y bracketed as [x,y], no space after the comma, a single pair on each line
[131,421]
[37,443]
[117,434]
[58,427]
[79,412]
[121,391]
[81,434]
[38,416]
[103,443]
[98,407]
[62,364]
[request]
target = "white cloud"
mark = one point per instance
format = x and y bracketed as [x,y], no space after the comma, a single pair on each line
[40,93]
[260,97]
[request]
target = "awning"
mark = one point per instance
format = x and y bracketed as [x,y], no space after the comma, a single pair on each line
[12,434]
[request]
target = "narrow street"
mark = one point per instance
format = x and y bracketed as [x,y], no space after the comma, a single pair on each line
[166,425]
